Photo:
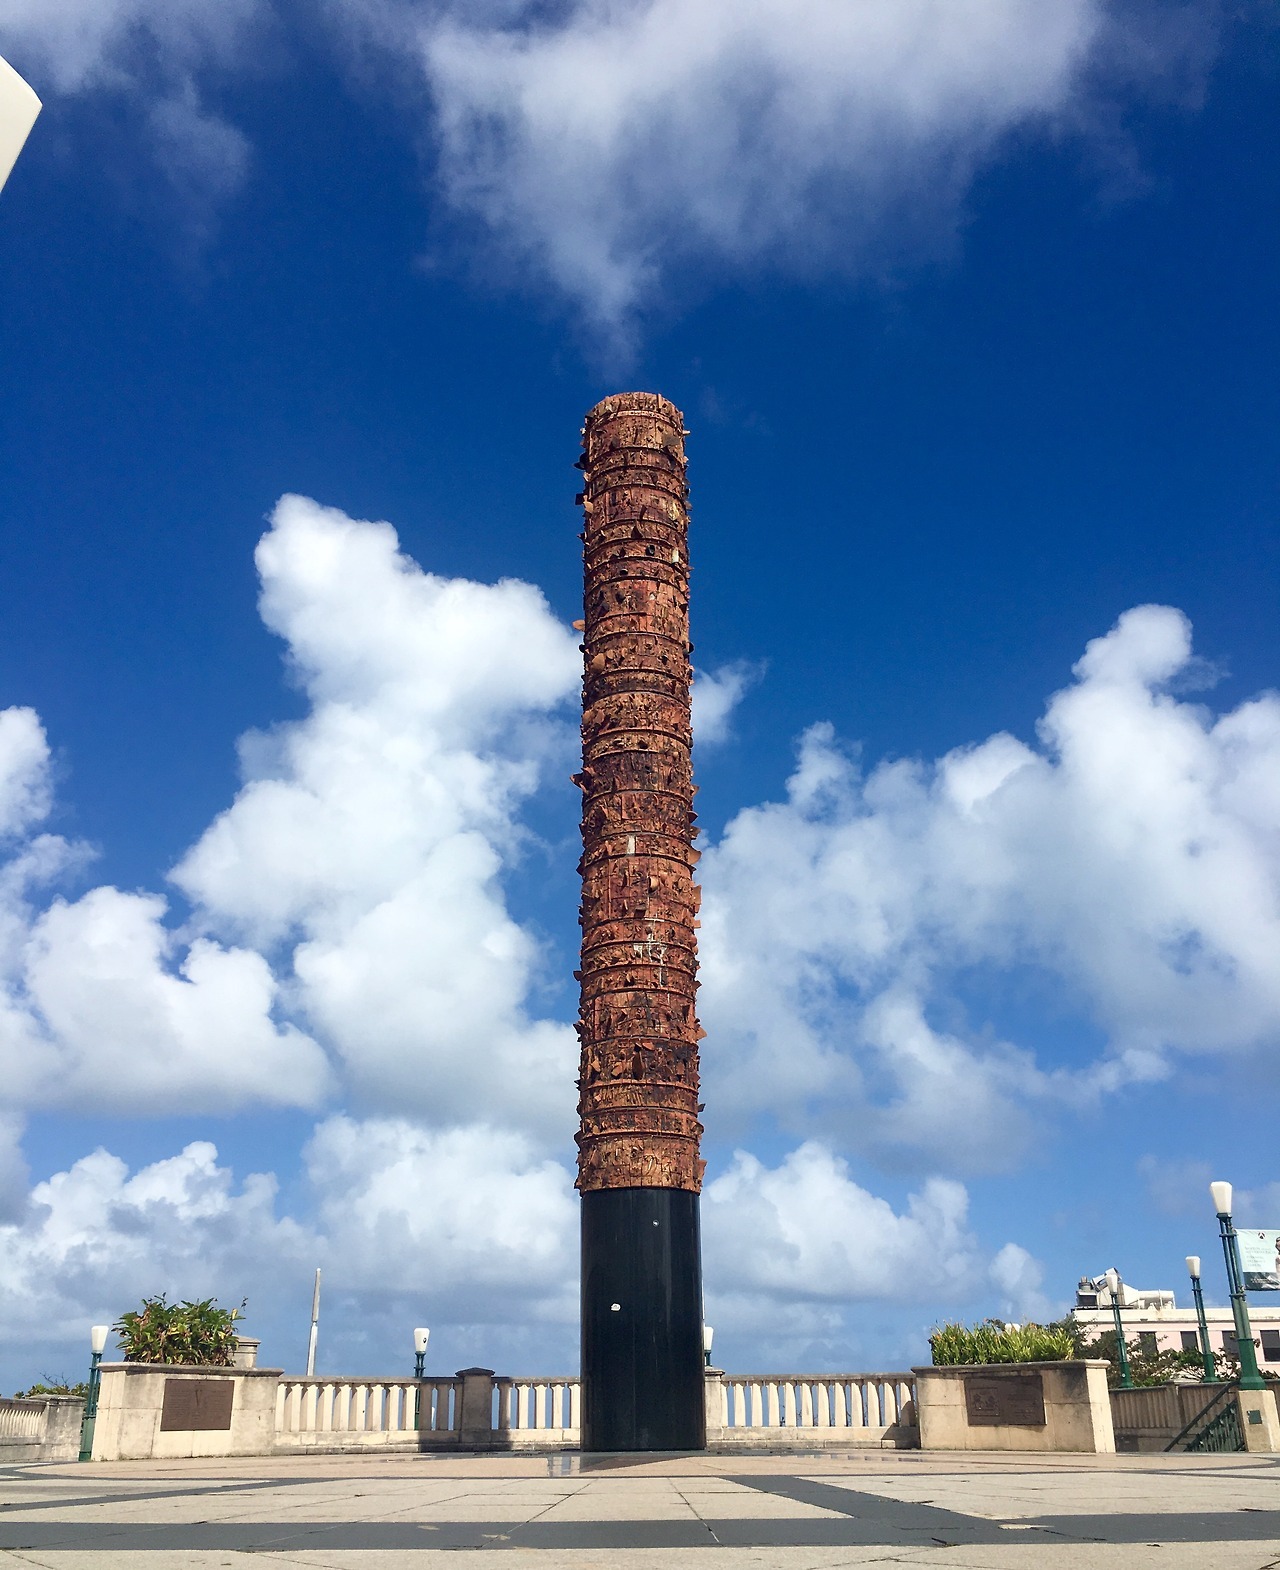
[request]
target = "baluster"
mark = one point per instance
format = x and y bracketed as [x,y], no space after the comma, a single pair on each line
[575,1405]
[806,1405]
[789,1404]
[890,1402]
[822,1403]
[522,1406]
[772,1410]
[755,1416]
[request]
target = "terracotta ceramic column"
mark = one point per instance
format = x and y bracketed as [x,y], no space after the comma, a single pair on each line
[639,1169]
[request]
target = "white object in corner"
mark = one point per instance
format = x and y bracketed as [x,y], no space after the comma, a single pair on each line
[19,107]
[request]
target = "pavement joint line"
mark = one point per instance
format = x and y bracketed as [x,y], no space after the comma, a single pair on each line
[156,1493]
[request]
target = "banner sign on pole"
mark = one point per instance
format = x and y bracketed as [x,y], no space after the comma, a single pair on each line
[1259,1259]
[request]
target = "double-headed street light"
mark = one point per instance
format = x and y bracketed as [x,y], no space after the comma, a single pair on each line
[1206,1351]
[1113,1286]
[1250,1378]
[97,1346]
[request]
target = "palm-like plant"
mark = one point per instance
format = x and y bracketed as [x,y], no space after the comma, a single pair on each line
[192,1332]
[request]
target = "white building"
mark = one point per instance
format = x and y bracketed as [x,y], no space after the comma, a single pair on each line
[1157,1324]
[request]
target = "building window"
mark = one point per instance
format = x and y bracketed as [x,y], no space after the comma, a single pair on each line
[1271,1346]
[1190,1341]
[1229,1343]
[1148,1345]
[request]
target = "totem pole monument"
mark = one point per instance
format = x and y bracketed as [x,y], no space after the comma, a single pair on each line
[638,1165]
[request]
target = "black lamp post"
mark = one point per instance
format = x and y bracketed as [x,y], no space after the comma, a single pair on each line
[1250,1378]
[1210,1370]
[420,1339]
[1113,1286]
[97,1345]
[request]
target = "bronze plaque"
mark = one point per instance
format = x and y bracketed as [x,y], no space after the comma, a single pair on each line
[1012,1400]
[192,1405]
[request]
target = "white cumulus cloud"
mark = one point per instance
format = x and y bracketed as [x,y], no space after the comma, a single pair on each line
[368,842]
[349,904]
[1131,863]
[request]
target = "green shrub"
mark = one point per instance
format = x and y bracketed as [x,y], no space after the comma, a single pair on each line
[51,1387]
[994,1342]
[164,1332]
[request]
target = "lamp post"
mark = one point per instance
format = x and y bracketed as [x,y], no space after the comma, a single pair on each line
[708,1335]
[1250,1378]
[1193,1270]
[1113,1286]
[97,1345]
[420,1338]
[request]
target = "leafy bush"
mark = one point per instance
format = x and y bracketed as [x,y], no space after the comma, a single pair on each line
[51,1387]
[994,1342]
[164,1332]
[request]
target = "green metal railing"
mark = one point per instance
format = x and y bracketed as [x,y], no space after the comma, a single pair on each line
[1222,1433]
[1215,1428]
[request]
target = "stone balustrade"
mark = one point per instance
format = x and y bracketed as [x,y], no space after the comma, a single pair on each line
[364,1414]
[818,1409]
[538,1413]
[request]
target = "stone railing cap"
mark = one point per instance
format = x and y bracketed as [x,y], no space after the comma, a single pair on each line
[203,1369]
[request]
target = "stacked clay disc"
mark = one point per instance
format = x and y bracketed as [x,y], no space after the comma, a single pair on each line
[639,1029]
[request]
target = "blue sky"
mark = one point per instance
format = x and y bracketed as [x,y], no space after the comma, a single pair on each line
[973,318]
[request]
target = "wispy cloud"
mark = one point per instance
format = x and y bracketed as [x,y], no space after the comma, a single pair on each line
[616,147]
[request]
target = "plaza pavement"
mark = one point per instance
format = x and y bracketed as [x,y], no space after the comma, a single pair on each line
[795,1512]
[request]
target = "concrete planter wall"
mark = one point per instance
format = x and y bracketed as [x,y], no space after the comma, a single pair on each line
[1015,1406]
[161,1411]
[42,1428]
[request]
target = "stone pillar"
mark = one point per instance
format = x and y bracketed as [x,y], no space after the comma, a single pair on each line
[1259,1419]
[475,1421]
[639,1168]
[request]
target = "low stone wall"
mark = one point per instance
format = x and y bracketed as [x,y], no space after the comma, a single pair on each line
[1015,1406]
[162,1411]
[43,1428]
[1152,1418]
